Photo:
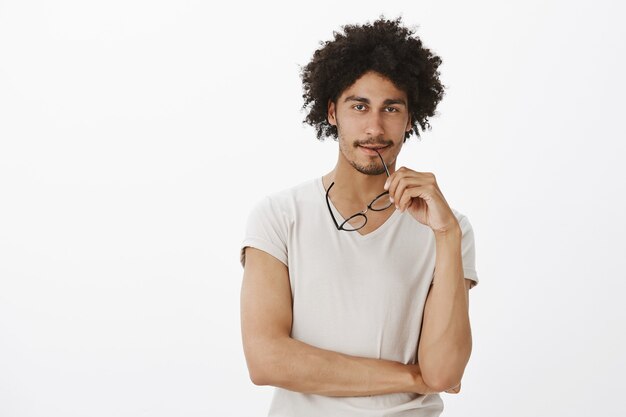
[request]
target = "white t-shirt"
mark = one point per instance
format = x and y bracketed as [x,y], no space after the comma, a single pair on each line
[360,295]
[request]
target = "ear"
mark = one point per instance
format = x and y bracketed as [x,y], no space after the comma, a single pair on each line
[408,124]
[332,117]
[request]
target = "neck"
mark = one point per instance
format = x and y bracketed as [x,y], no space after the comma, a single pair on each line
[352,185]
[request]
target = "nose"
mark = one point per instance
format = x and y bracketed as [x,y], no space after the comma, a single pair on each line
[374,125]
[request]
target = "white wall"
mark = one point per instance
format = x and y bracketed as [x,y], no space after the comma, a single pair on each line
[135,135]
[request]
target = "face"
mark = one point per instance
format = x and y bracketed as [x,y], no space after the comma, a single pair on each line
[371,113]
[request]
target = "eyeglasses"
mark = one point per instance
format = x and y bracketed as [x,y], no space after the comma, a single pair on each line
[380,203]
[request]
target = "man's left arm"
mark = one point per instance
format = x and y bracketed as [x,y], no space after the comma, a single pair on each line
[446,339]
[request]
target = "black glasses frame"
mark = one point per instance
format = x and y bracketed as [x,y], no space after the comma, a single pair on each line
[362,213]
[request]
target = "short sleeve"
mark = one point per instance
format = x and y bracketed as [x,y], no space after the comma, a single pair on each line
[265,230]
[468,251]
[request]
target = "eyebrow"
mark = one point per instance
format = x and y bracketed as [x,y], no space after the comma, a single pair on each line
[367,101]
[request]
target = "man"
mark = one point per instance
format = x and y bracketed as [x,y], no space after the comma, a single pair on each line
[355,298]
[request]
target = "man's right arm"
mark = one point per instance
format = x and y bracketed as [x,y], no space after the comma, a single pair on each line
[274,358]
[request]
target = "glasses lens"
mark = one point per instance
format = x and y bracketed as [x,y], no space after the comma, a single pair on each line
[354,223]
[381,202]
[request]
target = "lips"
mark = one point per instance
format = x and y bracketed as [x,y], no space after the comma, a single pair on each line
[377,147]
[373,150]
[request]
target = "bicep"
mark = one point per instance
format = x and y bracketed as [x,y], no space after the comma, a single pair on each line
[266,306]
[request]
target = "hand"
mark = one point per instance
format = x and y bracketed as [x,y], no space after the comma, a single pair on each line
[419,194]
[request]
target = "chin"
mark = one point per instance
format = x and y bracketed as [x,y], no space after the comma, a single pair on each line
[371,169]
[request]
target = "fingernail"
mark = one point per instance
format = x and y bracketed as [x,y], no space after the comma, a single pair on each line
[386,186]
[391,199]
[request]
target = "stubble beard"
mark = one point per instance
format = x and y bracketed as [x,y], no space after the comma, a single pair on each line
[350,152]
[373,168]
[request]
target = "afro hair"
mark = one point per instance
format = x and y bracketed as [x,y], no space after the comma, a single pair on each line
[384,46]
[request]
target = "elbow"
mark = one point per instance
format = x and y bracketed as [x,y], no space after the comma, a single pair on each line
[257,370]
[263,360]
[257,377]
[442,381]
[447,373]
[442,384]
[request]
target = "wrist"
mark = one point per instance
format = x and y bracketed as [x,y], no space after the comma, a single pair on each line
[451,231]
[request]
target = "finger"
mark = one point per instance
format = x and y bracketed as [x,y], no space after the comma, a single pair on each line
[403,178]
[401,185]
[390,184]
[393,180]
[407,196]
[427,191]
[399,189]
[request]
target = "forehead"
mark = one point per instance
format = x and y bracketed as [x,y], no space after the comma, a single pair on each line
[375,87]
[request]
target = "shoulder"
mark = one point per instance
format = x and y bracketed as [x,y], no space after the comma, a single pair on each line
[287,201]
[286,197]
[301,189]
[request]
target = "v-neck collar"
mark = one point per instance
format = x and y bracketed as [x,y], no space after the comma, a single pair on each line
[380,229]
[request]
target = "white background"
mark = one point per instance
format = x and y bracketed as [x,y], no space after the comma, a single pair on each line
[136,135]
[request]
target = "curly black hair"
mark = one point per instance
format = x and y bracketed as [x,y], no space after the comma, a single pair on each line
[384,46]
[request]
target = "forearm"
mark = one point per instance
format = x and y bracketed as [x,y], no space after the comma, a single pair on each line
[297,366]
[446,340]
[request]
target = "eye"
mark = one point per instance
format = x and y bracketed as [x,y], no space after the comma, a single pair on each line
[359,107]
[392,109]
